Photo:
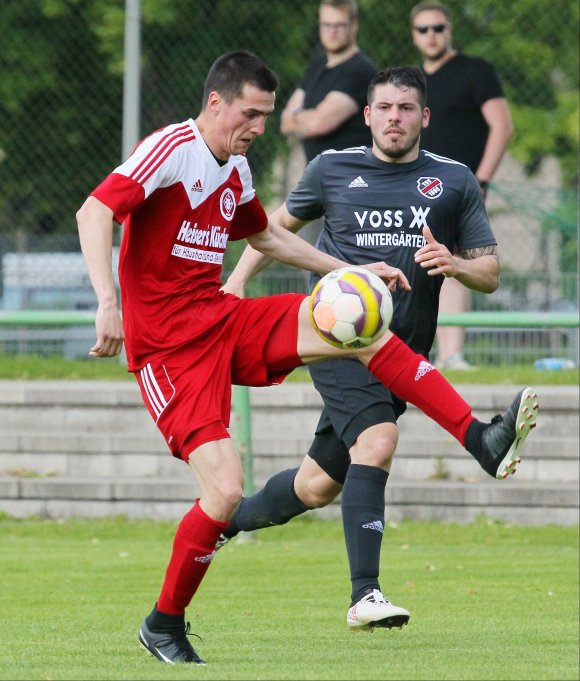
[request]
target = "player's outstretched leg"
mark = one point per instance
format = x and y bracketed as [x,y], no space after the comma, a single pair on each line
[275,504]
[168,643]
[496,445]
[374,610]
[502,439]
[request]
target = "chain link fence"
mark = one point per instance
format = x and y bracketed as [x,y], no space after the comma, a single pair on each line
[61,109]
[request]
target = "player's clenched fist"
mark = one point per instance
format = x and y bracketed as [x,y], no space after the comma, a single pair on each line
[110,335]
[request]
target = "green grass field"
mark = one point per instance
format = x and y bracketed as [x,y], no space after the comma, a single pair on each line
[36,367]
[487,601]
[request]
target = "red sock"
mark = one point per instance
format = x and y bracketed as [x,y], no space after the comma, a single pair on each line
[413,379]
[193,550]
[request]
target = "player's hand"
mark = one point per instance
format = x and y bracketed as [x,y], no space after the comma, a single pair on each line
[435,257]
[109,328]
[393,276]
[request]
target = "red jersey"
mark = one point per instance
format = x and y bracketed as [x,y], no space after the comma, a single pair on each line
[179,208]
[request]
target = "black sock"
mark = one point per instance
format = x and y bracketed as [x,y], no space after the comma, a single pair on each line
[363,519]
[159,621]
[275,504]
[473,439]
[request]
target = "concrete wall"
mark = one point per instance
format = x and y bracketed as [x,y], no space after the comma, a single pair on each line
[90,449]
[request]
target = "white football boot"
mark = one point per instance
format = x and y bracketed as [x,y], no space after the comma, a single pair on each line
[374,610]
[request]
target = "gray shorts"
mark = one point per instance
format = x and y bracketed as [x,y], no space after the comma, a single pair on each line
[354,400]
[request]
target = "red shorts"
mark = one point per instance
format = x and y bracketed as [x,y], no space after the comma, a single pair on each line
[188,393]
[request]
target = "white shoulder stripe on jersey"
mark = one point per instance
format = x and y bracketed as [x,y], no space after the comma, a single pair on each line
[348,150]
[159,138]
[159,154]
[443,159]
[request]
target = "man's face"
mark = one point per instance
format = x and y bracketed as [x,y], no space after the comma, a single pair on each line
[240,121]
[396,119]
[337,31]
[435,42]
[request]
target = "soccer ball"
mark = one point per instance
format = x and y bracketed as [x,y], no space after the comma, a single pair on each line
[350,307]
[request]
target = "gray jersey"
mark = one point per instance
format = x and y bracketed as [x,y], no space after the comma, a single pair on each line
[374,210]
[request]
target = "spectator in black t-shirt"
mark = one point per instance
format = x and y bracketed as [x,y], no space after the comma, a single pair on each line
[470,122]
[326,109]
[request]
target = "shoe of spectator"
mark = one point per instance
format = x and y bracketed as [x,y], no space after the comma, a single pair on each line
[374,610]
[455,361]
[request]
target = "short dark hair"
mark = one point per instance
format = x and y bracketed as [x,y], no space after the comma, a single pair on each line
[430,5]
[230,72]
[349,5]
[402,77]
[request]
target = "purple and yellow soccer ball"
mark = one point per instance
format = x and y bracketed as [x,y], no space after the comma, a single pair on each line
[351,307]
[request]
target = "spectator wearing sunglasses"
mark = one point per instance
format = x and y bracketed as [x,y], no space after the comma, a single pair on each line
[470,122]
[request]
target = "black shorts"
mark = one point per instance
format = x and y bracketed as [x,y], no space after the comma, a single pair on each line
[354,400]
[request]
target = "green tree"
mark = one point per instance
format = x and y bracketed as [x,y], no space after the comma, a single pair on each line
[61,81]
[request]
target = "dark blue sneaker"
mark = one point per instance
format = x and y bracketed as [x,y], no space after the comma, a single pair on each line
[170,646]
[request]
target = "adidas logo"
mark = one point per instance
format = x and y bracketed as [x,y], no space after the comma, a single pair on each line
[375,525]
[197,186]
[424,368]
[357,182]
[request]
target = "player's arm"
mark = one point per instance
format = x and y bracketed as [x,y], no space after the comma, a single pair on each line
[252,261]
[476,268]
[287,118]
[281,244]
[331,113]
[497,116]
[95,225]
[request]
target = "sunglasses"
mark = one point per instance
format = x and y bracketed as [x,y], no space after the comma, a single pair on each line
[438,28]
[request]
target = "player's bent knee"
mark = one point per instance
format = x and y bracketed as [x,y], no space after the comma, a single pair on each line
[376,446]
[318,495]
[225,498]
[232,496]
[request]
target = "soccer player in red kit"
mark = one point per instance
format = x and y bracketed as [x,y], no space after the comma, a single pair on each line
[182,194]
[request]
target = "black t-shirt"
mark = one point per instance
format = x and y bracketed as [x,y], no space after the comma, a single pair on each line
[374,210]
[455,95]
[351,77]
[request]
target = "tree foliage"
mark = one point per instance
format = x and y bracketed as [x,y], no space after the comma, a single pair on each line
[61,80]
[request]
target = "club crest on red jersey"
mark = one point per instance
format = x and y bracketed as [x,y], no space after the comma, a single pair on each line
[228,204]
[430,187]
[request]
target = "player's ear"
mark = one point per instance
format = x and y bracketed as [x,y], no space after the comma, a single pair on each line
[214,101]
[426,117]
[367,115]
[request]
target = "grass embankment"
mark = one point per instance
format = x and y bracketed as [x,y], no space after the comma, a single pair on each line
[36,367]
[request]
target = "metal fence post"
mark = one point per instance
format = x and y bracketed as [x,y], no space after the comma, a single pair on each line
[131,77]
[243,434]
[243,440]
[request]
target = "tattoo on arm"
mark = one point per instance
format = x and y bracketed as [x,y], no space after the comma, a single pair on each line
[472,253]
